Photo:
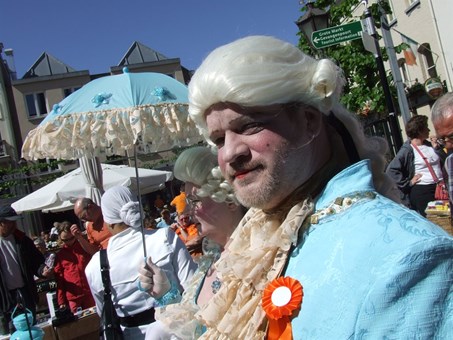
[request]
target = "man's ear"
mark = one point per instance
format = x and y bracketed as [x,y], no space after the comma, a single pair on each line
[307,125]
[314,121]
[232,207]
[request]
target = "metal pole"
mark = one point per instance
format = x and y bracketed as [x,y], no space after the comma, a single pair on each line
[137,178]
[393,121]
[388,42]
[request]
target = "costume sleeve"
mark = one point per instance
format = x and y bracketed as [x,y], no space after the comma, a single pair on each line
[182,261]
[414,298]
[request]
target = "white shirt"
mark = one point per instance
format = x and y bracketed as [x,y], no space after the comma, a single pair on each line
[125,254]
[420,165]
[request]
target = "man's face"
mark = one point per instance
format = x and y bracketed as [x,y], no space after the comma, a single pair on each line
[184,220]
[67,238]
[444,130]
[84,212]
[262,151]
[7,228]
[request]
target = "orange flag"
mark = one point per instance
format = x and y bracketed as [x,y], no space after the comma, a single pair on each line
[410,52]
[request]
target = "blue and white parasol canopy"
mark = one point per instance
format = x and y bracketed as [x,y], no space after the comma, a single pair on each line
[113,113]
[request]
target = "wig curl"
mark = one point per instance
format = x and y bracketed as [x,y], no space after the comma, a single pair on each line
[198,165]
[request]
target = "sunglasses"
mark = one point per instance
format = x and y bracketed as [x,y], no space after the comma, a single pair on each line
[66,240]
[192,200]
[443,140]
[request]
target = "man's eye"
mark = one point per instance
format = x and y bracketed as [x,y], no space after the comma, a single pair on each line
[218,142]
[251,128]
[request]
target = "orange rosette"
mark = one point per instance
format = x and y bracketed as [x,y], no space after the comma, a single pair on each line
[280,299]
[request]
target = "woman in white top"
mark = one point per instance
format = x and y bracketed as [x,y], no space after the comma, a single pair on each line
[409,168]
[125,255]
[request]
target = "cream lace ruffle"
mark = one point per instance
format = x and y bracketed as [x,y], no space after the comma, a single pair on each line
[158,127]
[256,255]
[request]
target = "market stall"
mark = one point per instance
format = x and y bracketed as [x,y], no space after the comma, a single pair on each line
[439,213]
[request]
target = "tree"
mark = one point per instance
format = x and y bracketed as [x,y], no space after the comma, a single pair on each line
[363,92]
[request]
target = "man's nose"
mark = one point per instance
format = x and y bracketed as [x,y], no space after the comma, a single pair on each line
[234,147]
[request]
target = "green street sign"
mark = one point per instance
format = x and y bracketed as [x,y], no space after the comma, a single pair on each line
[335,35]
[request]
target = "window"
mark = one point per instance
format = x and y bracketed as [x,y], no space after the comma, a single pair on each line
[402,66]
[69,90]
[411,5]
[2,147]
[390,14]
[36,104]
[51,166]
[428,61]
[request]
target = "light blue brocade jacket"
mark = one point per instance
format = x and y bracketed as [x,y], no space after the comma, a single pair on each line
[375,270]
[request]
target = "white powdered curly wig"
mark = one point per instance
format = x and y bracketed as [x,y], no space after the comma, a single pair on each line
[198,165]
[263,71]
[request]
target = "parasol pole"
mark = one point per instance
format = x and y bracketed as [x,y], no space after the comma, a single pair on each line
[142,228]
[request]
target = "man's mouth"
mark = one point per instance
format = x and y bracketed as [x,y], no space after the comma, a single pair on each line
[240,174]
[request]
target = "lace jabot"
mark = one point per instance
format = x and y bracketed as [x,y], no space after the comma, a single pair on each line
[256,254]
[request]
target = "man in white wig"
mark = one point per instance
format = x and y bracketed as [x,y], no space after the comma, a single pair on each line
[322,253]
[135,307]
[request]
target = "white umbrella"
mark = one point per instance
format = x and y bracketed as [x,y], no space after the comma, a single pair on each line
[62,192]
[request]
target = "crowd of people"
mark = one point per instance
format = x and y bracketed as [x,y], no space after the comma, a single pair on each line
[289,224]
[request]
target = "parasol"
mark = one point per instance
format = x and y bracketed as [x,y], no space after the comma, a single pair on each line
[111,115]
[139,112]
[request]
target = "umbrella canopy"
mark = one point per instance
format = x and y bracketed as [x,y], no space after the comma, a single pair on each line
[62,192]
[112,114]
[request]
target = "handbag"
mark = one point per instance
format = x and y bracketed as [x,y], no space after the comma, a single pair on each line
[441,192]
[111,328]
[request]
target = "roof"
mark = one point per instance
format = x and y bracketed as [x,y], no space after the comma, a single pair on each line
[139,53]
[47,65]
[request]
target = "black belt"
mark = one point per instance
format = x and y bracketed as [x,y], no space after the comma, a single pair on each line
[144,318]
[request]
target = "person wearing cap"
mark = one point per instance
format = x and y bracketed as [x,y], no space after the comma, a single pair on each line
[134,306]
[326,250]
[20,261]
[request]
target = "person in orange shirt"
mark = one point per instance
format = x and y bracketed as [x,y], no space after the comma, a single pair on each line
[97,232]
[179,201]
[188,232]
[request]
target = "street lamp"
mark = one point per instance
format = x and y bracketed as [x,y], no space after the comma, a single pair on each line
[314,19]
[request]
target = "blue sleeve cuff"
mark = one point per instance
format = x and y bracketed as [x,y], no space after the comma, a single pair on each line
[172,296]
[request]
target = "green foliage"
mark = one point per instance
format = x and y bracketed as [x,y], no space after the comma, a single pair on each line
[363,92]
[28,174]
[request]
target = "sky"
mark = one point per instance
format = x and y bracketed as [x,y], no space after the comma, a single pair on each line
[94,35]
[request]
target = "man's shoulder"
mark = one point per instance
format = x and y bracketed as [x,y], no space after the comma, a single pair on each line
[20,236]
